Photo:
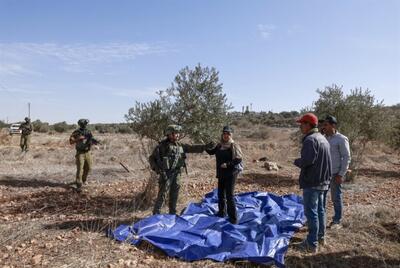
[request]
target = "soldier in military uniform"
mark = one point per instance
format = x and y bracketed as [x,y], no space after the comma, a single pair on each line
[83,140]
[26,129]
[168,160]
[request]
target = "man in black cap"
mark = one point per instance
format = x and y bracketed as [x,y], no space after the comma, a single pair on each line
[340,153]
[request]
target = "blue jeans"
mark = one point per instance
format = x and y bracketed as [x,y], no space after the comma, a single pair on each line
[337,200]
[314,210]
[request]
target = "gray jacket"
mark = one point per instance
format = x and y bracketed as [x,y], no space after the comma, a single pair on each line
[340,153]
[315,161]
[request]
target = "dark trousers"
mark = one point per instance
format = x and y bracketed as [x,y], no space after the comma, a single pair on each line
[226,187]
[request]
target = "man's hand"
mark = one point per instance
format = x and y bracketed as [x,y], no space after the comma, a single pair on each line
[338,179]
[81,138]
[224,165]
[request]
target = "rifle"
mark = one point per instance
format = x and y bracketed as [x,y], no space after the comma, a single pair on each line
[91,141]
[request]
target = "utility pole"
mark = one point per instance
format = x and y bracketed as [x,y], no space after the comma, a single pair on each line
[29,110]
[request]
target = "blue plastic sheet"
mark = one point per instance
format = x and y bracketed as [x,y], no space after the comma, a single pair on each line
[266,224]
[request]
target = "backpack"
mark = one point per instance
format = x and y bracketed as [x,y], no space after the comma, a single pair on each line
[239,167]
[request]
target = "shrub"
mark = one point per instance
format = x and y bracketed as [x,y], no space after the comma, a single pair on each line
[61,127]
[39,126]
[3,124]
[394,139]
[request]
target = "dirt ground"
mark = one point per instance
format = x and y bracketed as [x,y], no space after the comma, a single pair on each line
[45,223]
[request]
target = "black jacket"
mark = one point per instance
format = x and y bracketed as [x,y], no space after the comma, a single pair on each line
[315,161]
[224,156]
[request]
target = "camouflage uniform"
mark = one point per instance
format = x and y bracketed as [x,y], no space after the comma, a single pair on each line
[168,159]
[26,128]
[83,139]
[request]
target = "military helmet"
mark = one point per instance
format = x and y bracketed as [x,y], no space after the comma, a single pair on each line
[83,122]
[27,119]
[172,129]
[227,129]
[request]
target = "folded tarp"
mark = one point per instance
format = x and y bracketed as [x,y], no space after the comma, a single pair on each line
[266,224]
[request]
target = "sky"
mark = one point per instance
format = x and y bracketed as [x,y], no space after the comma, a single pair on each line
[94,59]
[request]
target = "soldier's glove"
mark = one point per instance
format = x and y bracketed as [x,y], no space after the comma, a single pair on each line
[211,145]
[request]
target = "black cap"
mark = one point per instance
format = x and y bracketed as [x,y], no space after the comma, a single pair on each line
[227,129]
[331,120]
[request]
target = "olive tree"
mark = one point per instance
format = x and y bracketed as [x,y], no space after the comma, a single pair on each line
[360,116]
[195,100]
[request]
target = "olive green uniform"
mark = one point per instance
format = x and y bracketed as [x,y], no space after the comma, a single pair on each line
[168,160]
[26,128]
[83,156]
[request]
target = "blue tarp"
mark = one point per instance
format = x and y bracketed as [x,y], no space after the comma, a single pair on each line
[266,224]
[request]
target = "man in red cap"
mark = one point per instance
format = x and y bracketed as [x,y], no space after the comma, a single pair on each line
[315,175]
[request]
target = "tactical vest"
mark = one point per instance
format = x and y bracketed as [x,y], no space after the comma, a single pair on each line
[83,145]
[26,129]
[170,157]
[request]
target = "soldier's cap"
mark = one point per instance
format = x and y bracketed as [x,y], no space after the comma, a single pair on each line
[331,120]
[27,119]
[227,129]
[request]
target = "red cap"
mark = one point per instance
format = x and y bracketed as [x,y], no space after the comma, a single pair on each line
[309,118]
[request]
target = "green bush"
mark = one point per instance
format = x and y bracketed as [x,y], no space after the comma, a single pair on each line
[41,127]
[124,129]
[61,127]
[394,136]
[3,124]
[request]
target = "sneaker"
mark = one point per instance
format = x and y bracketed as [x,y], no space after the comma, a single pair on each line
[322,242]
[334,225]
[305,247]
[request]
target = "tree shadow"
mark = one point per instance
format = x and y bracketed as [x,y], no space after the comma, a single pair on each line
[350,258]
[69,202]
[268,179]
[370,172]
[13,181]
[100,225]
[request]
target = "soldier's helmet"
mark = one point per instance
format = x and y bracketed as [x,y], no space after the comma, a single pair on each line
[172,129]
[227,129]
[83,122]
[27,119]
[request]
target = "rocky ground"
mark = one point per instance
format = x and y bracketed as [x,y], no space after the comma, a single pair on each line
[44,222]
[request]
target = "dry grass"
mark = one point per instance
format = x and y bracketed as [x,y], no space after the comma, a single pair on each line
[43,222]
